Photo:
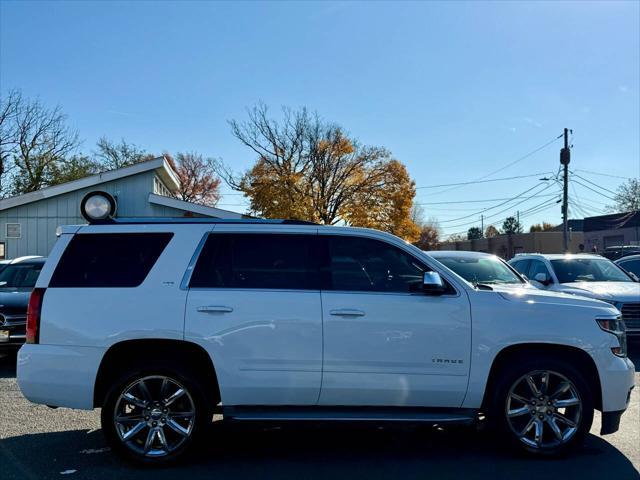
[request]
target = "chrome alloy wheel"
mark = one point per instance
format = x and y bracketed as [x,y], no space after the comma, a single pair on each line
[543,409]
[154,416]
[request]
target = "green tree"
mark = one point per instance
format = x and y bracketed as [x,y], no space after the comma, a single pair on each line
[511,226]
[627,198]
[74,168]
[474,233]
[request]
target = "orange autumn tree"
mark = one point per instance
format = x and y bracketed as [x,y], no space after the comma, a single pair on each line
[197,179]
[309,169]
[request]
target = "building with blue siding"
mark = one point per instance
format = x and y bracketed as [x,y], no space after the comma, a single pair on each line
[28,222]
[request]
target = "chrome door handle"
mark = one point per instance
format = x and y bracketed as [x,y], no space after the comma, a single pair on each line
[215,309]
[347,312]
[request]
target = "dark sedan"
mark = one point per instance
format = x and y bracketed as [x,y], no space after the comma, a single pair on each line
[17,280]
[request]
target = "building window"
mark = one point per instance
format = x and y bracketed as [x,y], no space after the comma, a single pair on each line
[14,230]
[160,188]
[2,251]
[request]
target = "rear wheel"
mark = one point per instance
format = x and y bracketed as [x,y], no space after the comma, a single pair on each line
[153,417]
[543,407]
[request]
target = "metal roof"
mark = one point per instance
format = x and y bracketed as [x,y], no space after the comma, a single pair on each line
[166,173]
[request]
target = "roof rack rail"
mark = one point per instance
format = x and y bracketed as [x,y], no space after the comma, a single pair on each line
[180,220]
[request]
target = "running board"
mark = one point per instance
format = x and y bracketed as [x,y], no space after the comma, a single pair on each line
[351,414]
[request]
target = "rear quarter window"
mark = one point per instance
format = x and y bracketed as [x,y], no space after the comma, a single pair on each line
[108,260]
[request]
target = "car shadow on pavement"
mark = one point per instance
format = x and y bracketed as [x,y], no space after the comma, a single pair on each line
[310,452]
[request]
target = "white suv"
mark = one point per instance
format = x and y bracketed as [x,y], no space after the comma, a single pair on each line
[586,275]
[162,323]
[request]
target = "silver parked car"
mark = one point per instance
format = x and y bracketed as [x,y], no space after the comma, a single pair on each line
[588,276]
[630,263]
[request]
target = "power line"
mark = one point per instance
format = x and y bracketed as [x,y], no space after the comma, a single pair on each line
[603,174]
[504,210]
[517,160]
[475,214]
[484,181]
[595,184]
[541,207]
[487,200]
[594,190]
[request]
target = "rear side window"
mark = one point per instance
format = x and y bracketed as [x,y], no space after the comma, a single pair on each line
[109,259]
[261,261]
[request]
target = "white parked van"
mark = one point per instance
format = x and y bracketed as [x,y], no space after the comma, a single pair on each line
[160,322]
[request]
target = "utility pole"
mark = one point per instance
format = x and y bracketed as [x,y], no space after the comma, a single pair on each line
[565,158]
[482,224]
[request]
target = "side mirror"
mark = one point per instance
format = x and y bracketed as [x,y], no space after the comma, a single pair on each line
[432,284]
[542,278]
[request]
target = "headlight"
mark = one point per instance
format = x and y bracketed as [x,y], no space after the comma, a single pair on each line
[615,326]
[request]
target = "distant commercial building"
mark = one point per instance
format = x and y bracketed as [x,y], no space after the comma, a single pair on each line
[612,230]
[28,222]
[507,246]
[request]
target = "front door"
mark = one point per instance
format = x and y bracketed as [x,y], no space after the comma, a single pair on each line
[386,343]
[254,305]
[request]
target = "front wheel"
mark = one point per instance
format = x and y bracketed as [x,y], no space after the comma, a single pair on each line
[543,407]
[152,418]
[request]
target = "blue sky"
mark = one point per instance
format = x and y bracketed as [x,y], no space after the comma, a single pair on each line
[455,90]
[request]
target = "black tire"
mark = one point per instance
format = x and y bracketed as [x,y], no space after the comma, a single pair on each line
[196,425]
[506,427]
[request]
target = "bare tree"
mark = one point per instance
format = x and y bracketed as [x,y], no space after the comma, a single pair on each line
[9,105]
[429,235]
[198,182]
[627,198]
[310,169]
[117,155]
[41,140]
[417,214]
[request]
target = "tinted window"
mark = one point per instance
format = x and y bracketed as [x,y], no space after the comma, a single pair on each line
[109,260]
[480,270]
[20,275]
[632,266]
[265,261]
[538,267]
[521,266]
[362,264]
[588,270]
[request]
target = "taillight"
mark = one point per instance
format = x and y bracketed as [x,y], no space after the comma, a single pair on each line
[33,315]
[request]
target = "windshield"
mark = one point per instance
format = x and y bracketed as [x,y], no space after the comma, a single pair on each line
[481,270]
[20,275]
[588,270]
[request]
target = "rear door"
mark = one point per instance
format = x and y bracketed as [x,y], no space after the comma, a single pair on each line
[386,343]
[254,305]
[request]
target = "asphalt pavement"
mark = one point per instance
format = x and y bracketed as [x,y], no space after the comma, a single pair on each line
[40,443]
